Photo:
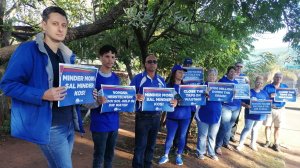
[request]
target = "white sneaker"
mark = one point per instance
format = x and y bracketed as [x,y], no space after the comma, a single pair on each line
[253,147]
[239,147]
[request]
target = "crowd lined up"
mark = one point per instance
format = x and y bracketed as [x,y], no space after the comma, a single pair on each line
[32,81]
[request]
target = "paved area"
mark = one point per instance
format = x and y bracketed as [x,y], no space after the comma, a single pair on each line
[291,135]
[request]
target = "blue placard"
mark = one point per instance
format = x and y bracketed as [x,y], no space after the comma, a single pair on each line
[242,91]
[285,95]
[119,98]
[158,99]
[192,95]
[193,76]
[241,79]
[220,91]
[80,83]
[260,107]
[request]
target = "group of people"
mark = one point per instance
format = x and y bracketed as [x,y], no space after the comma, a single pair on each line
[32,81]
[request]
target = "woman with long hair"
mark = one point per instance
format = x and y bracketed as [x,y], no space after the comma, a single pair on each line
[177,120]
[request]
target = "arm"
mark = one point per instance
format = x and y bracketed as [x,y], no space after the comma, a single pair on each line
[17,75]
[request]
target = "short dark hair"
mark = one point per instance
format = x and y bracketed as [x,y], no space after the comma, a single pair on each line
[229,68]
[53,9]
[107,48]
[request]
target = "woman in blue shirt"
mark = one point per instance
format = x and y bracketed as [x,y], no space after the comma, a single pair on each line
[230,112]
[177,120]
[208,122]
[253,121]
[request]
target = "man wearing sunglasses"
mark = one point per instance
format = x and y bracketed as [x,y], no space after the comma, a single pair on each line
[146,122]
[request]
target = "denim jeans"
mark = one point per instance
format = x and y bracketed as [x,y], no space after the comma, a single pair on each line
[253,125]
[146,129]
[179,126]
[104,146]
[207,131]
[59,150]
[227,121]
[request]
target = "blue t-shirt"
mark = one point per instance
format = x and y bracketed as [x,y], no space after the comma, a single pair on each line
[262,95]
[270,88]
[180,112]
[211,112]
[236,103]
[142,80]
[108,121]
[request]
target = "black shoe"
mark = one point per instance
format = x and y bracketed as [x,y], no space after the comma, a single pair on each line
[268,144]
[232,139]
[276,148]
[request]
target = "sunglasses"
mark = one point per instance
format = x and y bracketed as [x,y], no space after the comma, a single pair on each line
[151,62]
[238,66]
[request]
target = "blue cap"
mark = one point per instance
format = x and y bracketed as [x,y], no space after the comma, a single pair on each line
[188,61]
[177,67]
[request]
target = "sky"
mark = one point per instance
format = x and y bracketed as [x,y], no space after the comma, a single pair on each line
[270,40]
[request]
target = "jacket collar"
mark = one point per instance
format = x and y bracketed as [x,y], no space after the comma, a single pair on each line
[63,48]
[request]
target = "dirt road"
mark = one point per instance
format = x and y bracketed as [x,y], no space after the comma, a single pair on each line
[15,153]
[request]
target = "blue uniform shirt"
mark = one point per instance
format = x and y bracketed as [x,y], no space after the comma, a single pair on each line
[108,121]
[236,103]
[142,80]
[180,112]
[262,95]
[211,112]
[270,88]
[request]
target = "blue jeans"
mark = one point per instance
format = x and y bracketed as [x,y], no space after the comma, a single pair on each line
[146,129]
[207,131]
[227,121]
[253,125]
[179,126]
[59,150]
[104,146]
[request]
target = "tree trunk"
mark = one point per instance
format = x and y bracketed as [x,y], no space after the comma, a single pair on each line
[143,44]
[2,11]
[128,68]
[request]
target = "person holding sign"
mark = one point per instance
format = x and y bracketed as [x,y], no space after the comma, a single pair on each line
[177,121]
[242,79]
[104,126]
[277,117]
[208,122]
[253,121]
[147,123]
[230,111]
[32,80]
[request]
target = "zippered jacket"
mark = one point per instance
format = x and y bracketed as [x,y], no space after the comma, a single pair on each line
[28,75]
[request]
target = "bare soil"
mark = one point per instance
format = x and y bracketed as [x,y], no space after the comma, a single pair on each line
[15,153]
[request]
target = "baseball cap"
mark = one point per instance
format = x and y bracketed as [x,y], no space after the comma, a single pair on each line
[188,61]
[177,67]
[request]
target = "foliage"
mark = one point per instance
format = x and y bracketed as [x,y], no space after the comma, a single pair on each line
[213,33]
[267,64]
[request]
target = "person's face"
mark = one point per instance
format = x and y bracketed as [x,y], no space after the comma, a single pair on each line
[55,27]
[108,59]
[231,74]
[259,83]
[212,77]
[179,75]
[277,79]
[151,63]
[238,68]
